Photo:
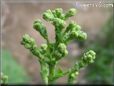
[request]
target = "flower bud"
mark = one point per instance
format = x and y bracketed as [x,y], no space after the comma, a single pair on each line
[70,13]
[65,53]
[81,64]
[71,26]
[57,54]
[58,23]
[82,35]
[78,27]
[4,78]
[61,47]
[74,34]
[48,15]
[38,25]
[27,41]
[59,13]
[76,73]
[73,75]
[44,47]
[89,56]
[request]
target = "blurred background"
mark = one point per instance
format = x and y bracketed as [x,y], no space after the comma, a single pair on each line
[21,66]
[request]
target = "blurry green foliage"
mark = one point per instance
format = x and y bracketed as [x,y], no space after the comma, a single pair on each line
[12,69]
[102,71]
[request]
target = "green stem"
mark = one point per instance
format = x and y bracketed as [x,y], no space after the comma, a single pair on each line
[44,76]
[51,73]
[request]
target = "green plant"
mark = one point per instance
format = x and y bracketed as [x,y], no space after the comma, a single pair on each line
[3,78]
[51,53]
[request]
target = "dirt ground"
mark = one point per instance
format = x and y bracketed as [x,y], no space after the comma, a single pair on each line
[17,19]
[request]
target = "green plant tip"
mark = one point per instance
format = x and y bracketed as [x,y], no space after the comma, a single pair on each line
[50,53]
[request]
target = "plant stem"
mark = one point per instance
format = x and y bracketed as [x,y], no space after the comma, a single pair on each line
[51,73]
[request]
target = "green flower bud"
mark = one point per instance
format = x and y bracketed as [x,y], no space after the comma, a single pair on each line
[73,75]
[4,78]
[80,35]
[65,53]
[78,27]
[74,34]
[76,73]
[81,64]
[57,54]
[48,15]
[71,26]
[44,47]
[89,56]
[27,41]
[59,13]
[70,13]
[58,23]
[38,25]
[36,52]
[61,47]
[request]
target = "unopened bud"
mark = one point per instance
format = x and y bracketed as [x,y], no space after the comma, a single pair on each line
[38,25]
[65,53]
[48,15]
[89,56]
[76,73]
[44,46]
[82,35]
[71,12]
[59,23]
[71,26]
[73,75]
[61,47]
[27,41]
[78,27]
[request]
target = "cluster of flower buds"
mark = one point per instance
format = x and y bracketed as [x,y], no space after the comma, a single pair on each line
[70,13]
[28,42]
[73,31]
[3,78]
[61,51]
[86,59]
[44,47]
[58,13]
[50,53]
[38,25]
[89,57]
